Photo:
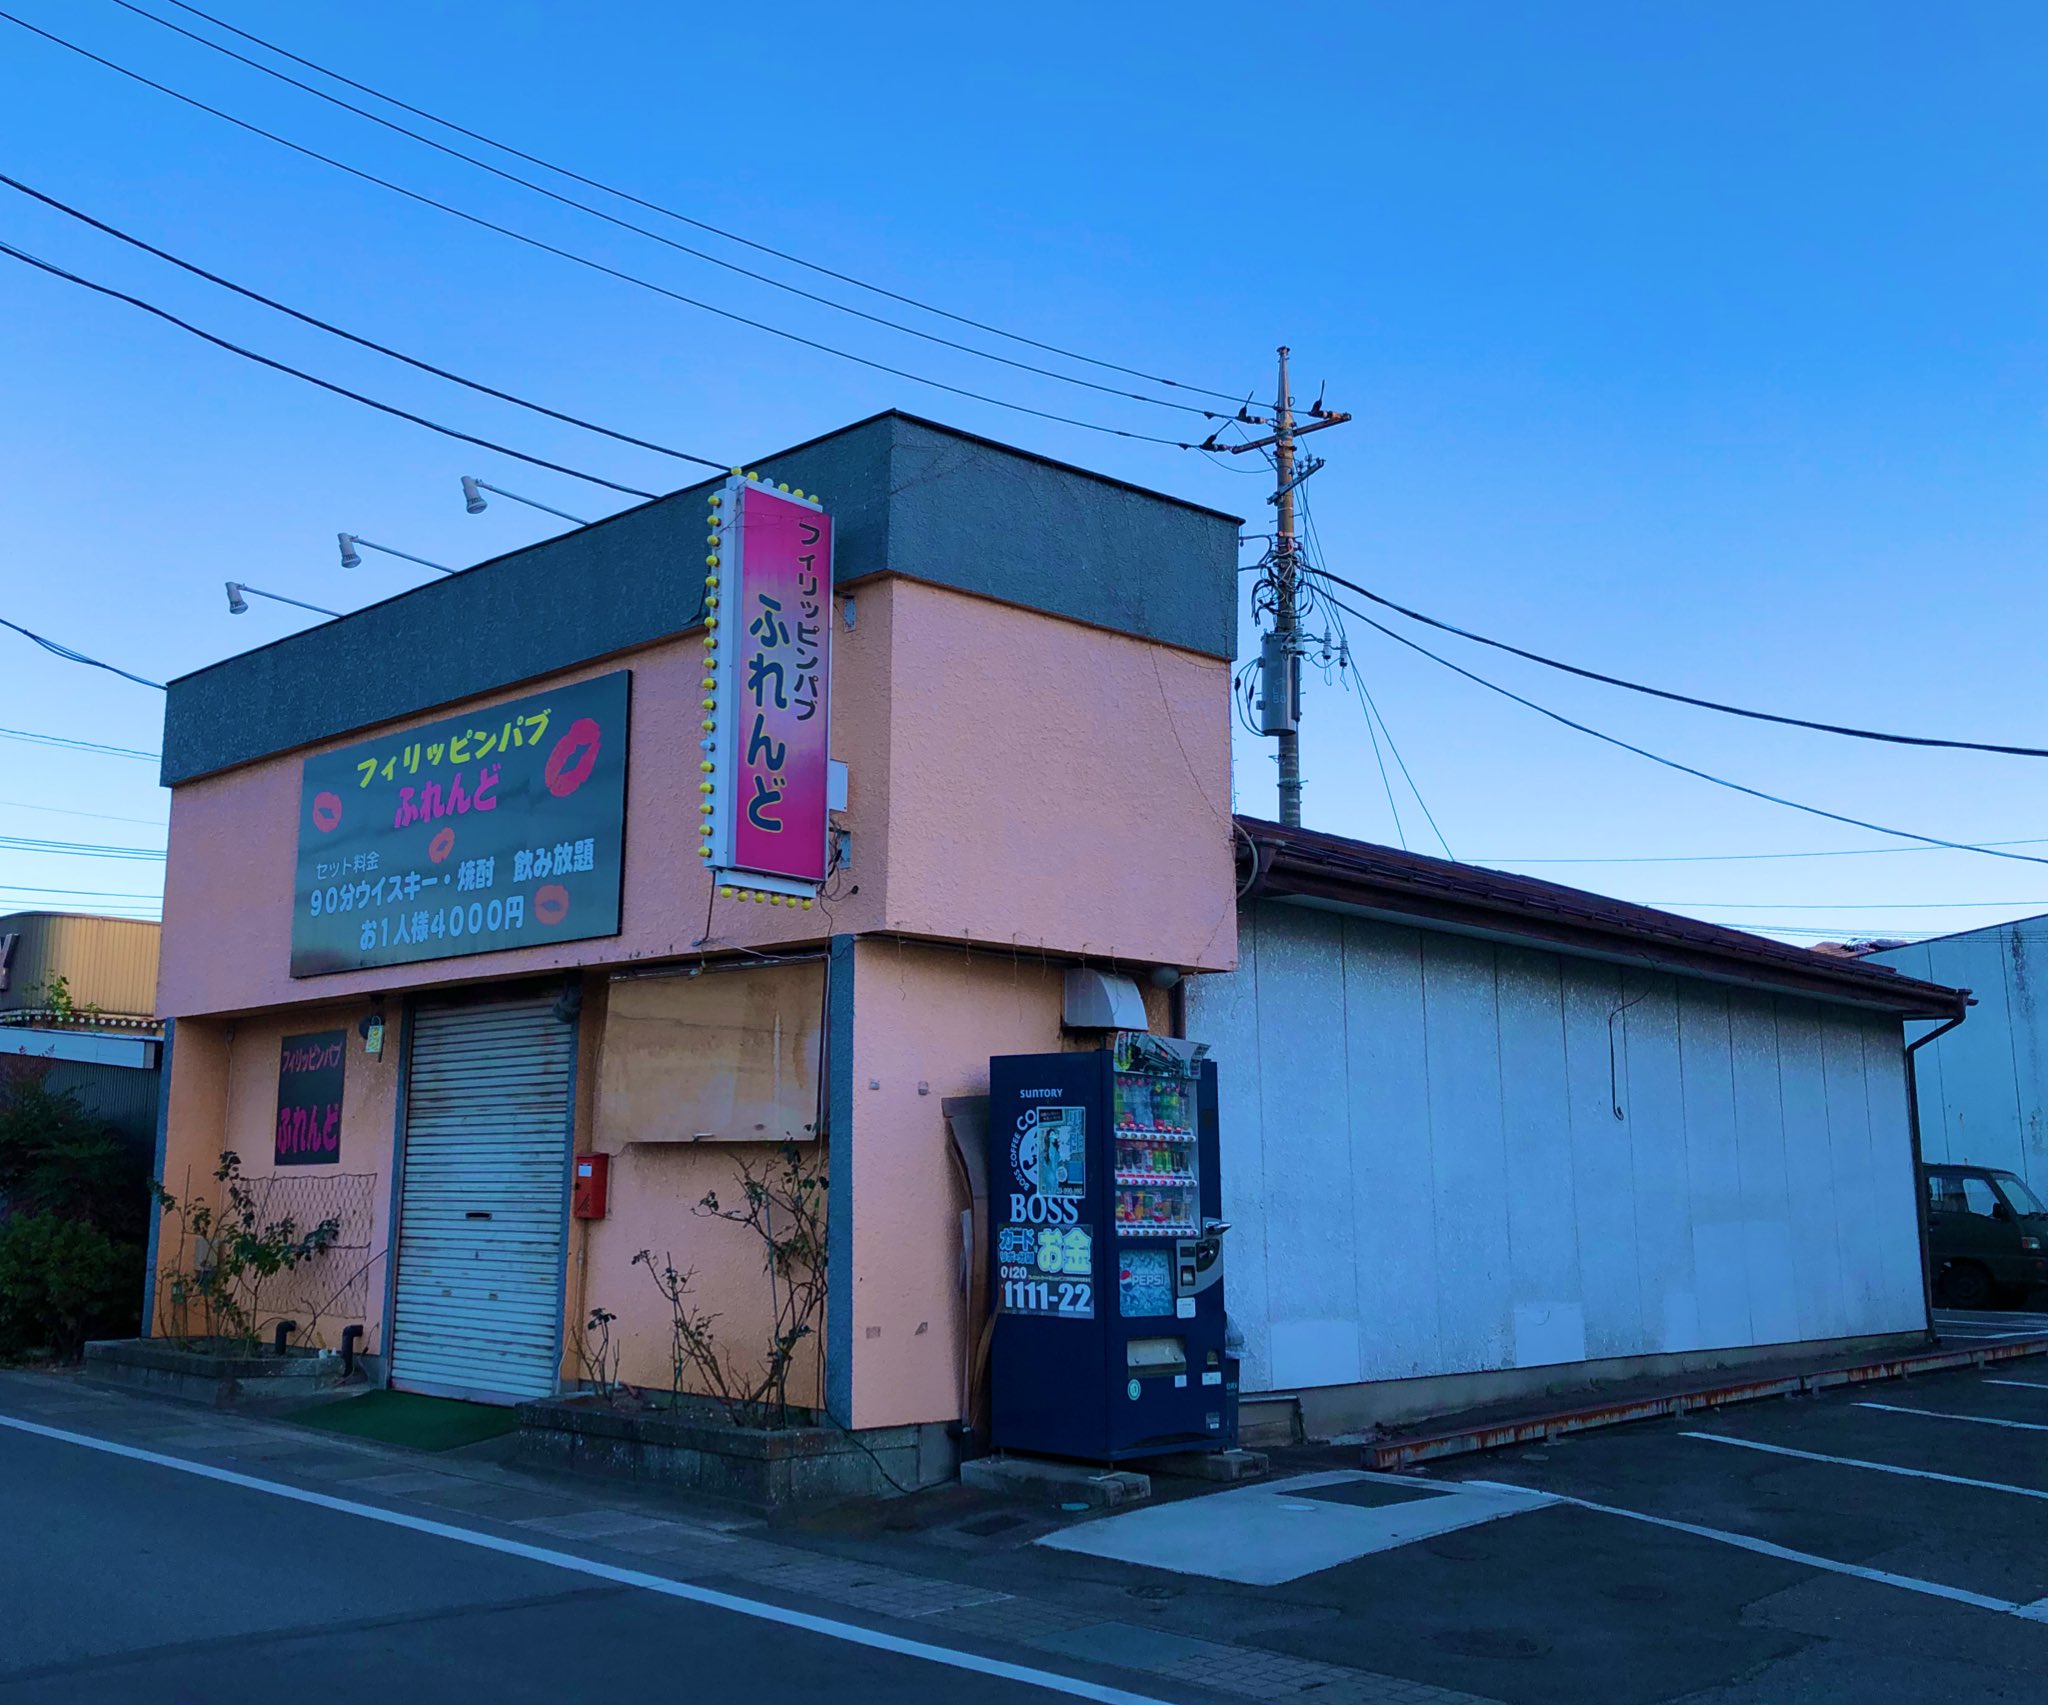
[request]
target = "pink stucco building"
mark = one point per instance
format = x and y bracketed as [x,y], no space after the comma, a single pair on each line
[1031,703]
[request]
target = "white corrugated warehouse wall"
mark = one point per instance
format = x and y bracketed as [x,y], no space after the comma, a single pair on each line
[1425,1173]
[1984,1086]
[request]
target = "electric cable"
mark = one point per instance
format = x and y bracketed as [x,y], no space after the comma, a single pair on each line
[1841,905]
[642,230]
[1314,539]
[81,893]
[1673,763]
[311,379]
[1736,858]
[1400,833]
[197,271]
[1688,698]
[71,811]
[687,219]
[34,737]
[70,656]
[76,849]
[584,260]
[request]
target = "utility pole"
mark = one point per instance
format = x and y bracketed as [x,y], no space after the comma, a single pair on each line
[1280,652]
[1286,616]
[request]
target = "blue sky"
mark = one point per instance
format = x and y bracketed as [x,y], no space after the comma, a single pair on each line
[1707,344]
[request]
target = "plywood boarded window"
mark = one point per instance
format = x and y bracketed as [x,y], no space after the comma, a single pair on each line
[725,1056]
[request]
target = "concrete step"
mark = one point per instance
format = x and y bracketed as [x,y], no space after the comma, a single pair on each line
[1043,1479]
[1269,1420]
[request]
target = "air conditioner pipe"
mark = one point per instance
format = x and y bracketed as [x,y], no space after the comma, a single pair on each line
[350,1337]
[285,1328]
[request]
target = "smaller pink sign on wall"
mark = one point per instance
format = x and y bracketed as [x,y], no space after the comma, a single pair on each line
[772,740]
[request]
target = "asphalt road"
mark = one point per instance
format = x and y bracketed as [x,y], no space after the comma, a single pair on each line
[124,1579]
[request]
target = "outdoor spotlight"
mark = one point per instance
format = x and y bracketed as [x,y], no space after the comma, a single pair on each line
[473,498]
[237,604]
[349,559]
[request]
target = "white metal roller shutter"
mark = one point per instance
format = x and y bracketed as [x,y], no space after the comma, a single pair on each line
[481,1221]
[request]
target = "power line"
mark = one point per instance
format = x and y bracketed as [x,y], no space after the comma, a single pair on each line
[1673,763]
[1373,712]
[1687,698]
[1839,906]
[81,893]
[312,379]
[76,849]
[65,651]
[35,738]
[69,811]
[1371,705]
[682,218]
[352,337]
[642,230]
[583,260]
[1818,934]
[1400,833]
[1735,858]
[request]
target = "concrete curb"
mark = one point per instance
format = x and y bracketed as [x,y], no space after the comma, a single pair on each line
[1429,1447]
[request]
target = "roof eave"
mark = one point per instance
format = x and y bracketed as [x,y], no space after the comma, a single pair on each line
[1287,870]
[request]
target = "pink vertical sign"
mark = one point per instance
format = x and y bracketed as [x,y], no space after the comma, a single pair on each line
[775,686]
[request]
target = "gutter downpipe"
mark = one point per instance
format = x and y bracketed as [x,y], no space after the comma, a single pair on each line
[1919,1175]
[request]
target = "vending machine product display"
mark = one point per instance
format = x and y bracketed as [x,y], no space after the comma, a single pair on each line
[1106,1228]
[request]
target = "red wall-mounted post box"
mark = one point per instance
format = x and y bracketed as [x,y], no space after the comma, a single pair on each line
[592,1188]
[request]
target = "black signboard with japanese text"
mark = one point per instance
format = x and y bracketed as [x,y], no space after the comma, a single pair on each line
[501,828]
[309,1072]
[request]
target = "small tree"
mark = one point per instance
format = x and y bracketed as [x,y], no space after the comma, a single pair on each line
[782,1204]
[225,1256]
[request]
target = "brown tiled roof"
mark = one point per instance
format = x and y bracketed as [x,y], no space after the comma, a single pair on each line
[1282,863]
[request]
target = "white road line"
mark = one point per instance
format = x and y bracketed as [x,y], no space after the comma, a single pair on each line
[2037,1611]
[1878,1467]
[1947,1415]
[850,1632]
[2030,1384]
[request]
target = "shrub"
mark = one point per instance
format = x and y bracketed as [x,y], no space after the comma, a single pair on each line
[56,1158]
[63,1281]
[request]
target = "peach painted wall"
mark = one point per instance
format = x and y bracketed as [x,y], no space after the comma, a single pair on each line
[1057,787]
[233,847]
[1015,778]
[654,1189]
[930,1016]
[223,1095]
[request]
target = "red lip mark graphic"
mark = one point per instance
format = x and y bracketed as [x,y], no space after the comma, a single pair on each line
[574,757]
[550,904]
[441,845]
[326,812]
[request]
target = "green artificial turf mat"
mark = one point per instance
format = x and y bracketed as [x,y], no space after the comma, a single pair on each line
[405,1418]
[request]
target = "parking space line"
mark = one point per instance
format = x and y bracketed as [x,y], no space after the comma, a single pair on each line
[2030,1384]
[2037,1611]
[1877,1467]
[1949,1415]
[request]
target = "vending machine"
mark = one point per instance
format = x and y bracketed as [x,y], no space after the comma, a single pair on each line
[1105,1223]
